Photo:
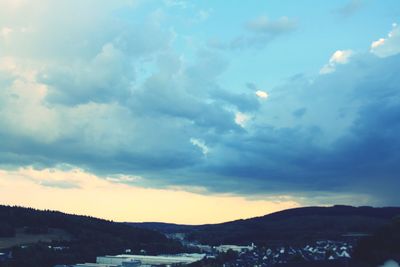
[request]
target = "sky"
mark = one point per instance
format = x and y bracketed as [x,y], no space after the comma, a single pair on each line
[198,111]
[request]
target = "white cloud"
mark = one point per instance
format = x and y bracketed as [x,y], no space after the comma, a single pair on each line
[241,119]
[200,144]
[262,94]
[339,57]
[389,46]
[378,43]
[124,178]
[21,109]
[94,94]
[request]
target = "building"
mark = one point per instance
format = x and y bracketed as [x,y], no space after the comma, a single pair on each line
[126,260]
[226,248]
[169,260]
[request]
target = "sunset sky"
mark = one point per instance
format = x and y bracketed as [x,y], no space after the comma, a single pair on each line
[198,111]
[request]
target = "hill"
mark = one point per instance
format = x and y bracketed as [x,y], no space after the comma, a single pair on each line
[52,237]
[299,225]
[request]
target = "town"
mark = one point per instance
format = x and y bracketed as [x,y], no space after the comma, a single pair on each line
[251,255]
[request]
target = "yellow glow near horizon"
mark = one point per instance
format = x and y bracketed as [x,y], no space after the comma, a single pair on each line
[87,194]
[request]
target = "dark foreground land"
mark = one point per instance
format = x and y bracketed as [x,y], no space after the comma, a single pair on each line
[34,238]
[373,232]
[37,238]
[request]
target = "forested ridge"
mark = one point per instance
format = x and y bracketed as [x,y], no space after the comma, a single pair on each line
[298,225]
[88,237]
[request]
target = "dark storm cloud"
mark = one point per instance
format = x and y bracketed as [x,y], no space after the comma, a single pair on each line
[362,158]
[344,137]
[364,155]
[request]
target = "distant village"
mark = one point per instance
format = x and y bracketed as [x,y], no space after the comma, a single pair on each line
[127,260]
[244,255]
[266,257]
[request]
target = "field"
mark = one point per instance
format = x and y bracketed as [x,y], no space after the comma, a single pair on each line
[22,238]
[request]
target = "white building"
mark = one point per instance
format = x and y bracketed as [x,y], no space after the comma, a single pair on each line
[169,260]
[225,248]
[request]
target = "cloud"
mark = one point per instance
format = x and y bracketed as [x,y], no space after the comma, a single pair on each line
[242,101]
[389,46]
[124,179]
[340,144]
[241,119]
[264,25]
[200,144]
[94,81]
[333,139]
[123,102]
[377,43]
[59,184]
[259,32]
[261,94]
[258,92]
[352,7]
[339,57]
